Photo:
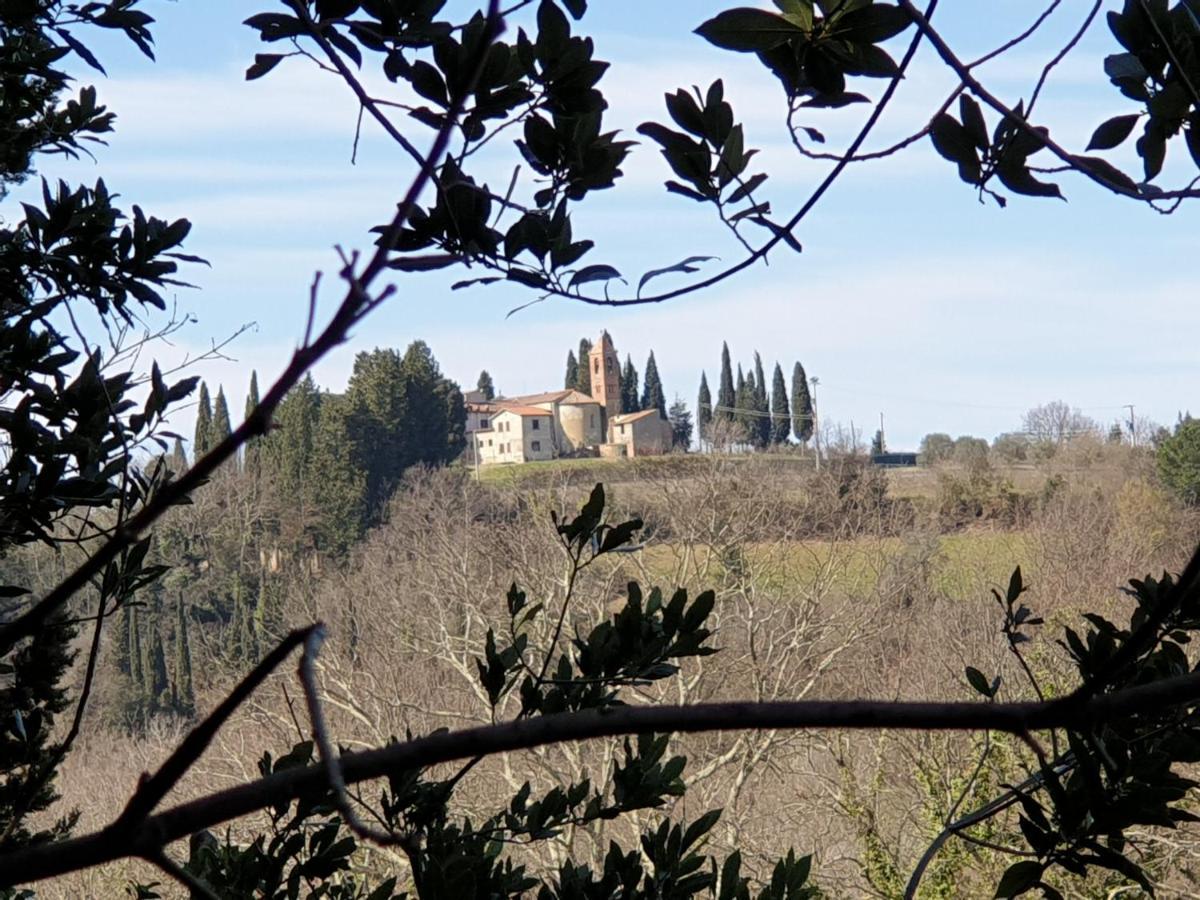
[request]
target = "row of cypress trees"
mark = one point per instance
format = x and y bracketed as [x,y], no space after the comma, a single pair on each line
[747,410]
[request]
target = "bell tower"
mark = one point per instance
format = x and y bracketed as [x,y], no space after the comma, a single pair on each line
[606,377]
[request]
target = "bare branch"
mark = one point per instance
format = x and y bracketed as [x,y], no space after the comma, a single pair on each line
[141,837]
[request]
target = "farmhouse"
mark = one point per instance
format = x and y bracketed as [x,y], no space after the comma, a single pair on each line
[566,423]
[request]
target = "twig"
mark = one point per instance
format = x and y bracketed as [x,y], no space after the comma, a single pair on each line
[1062,54]
[151,791]
[328,753]
[353,307]
[45,861]
[173,870]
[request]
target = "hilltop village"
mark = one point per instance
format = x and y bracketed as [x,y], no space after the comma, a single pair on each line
[566,423]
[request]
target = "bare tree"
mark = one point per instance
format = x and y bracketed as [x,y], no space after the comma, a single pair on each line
[1056,422]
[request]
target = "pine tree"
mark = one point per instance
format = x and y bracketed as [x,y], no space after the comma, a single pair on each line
[178,461]
[726,395]
[629,387]
[221,426]
[485,385]
[681,425]
[802,410]
[571,379]
[202,442]
[252,453]
[374,427]
[781,414]
[287,450]
[585,367]
[704,414]
[184,695]
[652,392]
[761,432]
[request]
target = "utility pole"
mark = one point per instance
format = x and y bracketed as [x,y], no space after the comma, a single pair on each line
[882,442]
[814,381]
[1132,425]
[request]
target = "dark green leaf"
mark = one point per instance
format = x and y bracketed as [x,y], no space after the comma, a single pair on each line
[1113,132]
[1019,878]
[748,30]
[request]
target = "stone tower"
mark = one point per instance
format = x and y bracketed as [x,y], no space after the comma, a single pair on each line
[606,377]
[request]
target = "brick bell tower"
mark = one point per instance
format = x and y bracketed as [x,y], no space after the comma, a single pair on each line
[606,377]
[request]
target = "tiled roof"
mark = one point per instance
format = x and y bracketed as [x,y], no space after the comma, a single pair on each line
[527,399]
[482,407]
[578,398]
[634,417]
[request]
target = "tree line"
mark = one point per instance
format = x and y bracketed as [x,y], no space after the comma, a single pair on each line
[745,412]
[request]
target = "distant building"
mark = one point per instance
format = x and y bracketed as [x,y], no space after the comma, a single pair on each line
[516,434]
[568,422]
[644,433]
[894,460]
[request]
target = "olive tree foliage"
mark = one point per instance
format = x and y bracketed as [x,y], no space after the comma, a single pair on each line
[72,430]
[528,80]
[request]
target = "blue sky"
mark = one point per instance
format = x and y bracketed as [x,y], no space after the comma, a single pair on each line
[910,298]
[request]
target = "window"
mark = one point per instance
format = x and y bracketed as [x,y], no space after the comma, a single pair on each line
[537,424]
[537,446]
[596,366]
[483,423]
[608,363]
[622,429]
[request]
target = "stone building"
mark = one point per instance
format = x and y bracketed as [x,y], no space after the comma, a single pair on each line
[568,422]
[644,433]
[516,434]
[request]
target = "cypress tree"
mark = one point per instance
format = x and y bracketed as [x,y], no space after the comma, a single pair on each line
[781,414]
[135,651]
[726,396]
[704,413]
[221,426]
[877,445]
[202,441]
[652,392]
[252,451]
[485,385]
[761,432]
[802,411]
[744,417]
[178,462]
[263,609]
[585,367]
[184,696]
[629,387]
[154,667]
[122,640]
[571,379]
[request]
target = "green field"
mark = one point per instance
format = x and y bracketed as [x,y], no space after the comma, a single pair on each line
[964,564]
